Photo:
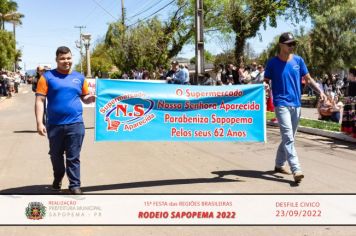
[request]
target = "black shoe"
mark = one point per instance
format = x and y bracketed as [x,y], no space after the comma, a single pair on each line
[76,191]
[56,185]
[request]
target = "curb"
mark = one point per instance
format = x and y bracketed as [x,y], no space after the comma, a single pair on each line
[329,134]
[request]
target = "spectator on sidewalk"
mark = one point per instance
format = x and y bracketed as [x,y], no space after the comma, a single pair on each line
[258,75]
[3,85]
[177,75]
[286,71]
[17,81]
[349,115]
[64,89]
[331,108]
[10,84]
[220,75]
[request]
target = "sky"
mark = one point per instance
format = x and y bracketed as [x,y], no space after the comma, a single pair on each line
[50,24]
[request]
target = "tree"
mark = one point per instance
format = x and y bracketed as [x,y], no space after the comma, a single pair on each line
[137,47]
[7,50]
[100,61]
[148,44]
[244,18]
[333,38]
[8,13]
[331,44]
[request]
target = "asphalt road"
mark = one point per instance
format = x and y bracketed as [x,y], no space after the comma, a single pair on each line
[162,167]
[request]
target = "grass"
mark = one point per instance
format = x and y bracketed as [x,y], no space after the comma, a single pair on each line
[317,124]
[306,97]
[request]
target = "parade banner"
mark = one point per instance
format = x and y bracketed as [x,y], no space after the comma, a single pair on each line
[169,209]
[130,111]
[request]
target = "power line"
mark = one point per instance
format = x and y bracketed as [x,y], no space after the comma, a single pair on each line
[143,11]
[152,13]
[141,6]
[104,9]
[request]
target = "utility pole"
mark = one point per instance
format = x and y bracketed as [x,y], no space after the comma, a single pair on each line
[199,40]
[122,13]
[86,39]
[123,22]
[123,28]
[79,44]
[14,32]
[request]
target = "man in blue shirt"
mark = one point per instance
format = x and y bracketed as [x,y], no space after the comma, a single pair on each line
[64,127]
[286,71]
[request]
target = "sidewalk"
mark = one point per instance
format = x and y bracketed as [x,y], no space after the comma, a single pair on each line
[21,88]
[310,113]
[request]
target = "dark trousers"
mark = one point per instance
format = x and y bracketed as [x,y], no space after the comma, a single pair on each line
[3,88]
[17,87]
[66,139]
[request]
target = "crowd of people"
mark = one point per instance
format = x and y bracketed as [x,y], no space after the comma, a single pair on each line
[245,74]
[178,73]
[337,90]
[10,82]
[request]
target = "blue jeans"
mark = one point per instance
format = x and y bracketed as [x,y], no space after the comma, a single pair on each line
[69,139]
[288,119]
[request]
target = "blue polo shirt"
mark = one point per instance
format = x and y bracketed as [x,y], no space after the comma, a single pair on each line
[286,77]
[63,93]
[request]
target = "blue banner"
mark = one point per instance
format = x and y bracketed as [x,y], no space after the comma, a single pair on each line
[130,111]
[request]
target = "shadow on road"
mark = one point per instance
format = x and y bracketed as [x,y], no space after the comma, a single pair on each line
[334,143]
[46,189]
[267,175]
[25,131]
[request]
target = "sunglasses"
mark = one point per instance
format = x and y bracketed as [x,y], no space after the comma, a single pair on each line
[293,44]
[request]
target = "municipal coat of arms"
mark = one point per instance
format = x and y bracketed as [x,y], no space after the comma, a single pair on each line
[35,211]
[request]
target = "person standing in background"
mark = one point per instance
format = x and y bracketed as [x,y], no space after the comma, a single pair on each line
[348,124]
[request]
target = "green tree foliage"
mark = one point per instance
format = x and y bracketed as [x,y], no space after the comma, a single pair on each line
[241,18]
[245,17]
[8,13]
[148,44]
[224,58]
[138,47]
[331,44]
[7,50]
[208,58]
[100,61]
[333,38]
